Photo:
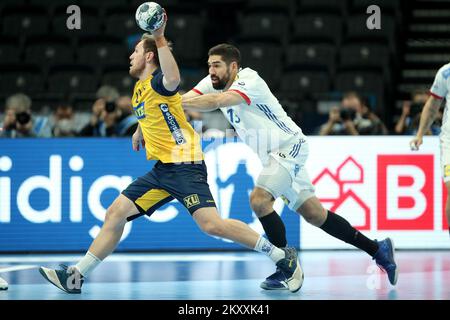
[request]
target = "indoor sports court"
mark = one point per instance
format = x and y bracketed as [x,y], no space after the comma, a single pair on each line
[329,275]
[359,88]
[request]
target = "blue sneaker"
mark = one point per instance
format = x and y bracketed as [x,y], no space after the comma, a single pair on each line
[68,279]
[385,259]
[289,274]
[276,281]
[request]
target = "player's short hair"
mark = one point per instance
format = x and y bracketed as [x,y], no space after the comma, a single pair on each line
[150,46]
[228,52]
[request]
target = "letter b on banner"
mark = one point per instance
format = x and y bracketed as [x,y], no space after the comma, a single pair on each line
[405,192]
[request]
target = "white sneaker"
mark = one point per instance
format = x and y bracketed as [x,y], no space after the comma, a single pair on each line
[3,284]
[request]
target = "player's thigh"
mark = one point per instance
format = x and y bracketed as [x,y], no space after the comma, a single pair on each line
[146,196]
[300,191]
[273,181]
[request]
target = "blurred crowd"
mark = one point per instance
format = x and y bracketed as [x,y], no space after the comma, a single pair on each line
[112,116]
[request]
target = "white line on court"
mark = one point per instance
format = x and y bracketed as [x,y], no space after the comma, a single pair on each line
[137,257]
[18,268]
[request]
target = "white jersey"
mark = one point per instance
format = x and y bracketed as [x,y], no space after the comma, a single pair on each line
[441,90]
[260,121]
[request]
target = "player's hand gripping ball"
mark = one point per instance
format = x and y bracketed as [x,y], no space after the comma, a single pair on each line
[149,16]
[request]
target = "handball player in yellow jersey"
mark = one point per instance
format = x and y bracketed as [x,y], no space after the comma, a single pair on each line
[180,172]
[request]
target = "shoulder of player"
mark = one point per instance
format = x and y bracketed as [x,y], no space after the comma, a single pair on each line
[444,71]
[247,73]
[247,78]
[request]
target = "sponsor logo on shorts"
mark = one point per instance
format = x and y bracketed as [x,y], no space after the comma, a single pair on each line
[210,201]
[191,200]
[447,170]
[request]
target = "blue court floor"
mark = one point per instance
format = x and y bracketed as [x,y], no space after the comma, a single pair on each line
[329,275]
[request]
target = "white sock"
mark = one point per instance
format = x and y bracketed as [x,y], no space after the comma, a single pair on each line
[264,246]
[87,264]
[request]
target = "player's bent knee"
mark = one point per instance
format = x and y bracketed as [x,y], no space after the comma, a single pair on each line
[261,203]
[313,212]
[213,228]
[114,216]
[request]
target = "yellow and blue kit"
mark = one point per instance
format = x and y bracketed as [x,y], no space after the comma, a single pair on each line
[180,172]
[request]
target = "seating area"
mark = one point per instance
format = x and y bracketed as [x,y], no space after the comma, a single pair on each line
[304,49]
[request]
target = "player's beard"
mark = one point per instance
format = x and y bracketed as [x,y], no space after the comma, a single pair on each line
[135,71]
[222,83]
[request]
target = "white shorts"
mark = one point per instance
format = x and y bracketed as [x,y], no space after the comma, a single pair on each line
[445,158]
[285,175]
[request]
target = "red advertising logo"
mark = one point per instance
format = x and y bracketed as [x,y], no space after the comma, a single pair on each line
[349,172]
[405,192]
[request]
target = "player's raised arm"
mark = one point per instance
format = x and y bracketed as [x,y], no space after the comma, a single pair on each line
[429,113]
[213,101]
[169,66]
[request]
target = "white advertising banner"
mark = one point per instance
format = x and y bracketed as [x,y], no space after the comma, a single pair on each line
[381,187]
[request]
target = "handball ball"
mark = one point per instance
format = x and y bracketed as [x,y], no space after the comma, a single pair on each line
[149,16]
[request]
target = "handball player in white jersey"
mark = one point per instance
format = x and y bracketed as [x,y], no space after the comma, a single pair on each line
[439,91]
[260,121]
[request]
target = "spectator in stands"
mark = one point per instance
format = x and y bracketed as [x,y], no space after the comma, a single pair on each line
[19,121]
[353,117]
[126,122]
[63,121]
[409,120]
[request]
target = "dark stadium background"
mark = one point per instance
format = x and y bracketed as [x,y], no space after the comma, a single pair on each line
[308,51]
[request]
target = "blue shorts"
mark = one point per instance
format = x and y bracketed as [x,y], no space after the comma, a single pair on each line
[185,182]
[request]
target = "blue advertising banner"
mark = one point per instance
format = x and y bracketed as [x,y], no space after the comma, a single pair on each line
[54,194]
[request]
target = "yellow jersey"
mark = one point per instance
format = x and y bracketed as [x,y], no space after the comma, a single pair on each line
[167,134]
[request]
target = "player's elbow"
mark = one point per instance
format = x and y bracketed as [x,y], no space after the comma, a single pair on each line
[173,82]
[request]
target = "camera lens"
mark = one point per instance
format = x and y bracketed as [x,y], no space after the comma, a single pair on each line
[348,114]
[110,107]
[23,117]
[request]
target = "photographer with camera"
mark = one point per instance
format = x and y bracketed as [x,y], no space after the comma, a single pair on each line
[111,115]
[409,120]
[19,121]
[353,117]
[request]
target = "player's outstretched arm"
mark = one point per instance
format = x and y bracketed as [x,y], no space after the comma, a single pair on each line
[213,101]
[169,66]
[429,113]
[189,95]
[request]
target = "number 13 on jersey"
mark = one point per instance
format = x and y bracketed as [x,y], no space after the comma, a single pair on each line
[234,118]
